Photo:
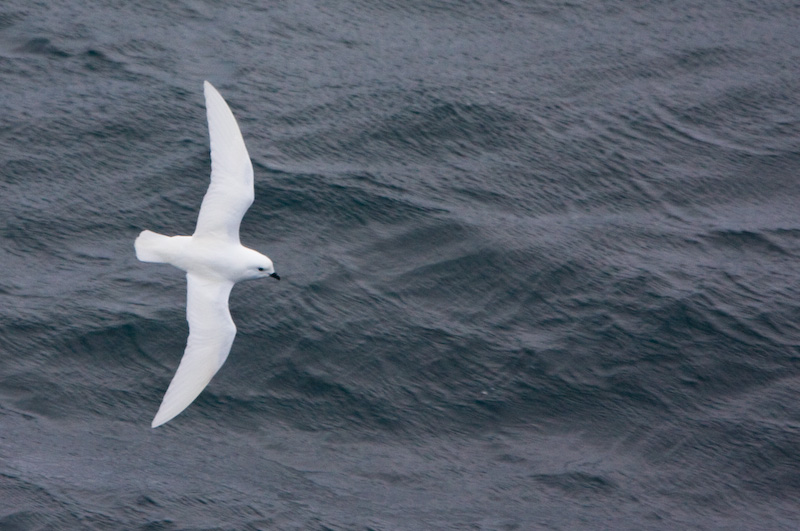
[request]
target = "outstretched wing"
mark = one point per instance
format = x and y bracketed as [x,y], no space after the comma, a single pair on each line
[231,191]
[211,333]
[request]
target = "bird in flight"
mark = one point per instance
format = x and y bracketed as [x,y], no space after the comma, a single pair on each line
[213,258]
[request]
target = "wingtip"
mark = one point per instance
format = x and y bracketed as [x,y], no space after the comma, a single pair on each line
[164,415]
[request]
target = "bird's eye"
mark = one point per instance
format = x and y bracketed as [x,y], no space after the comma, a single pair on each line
[261,269]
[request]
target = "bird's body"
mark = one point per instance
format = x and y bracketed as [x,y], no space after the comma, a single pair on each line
[212,257]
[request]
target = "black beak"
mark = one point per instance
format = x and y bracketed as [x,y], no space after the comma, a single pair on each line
[275,276]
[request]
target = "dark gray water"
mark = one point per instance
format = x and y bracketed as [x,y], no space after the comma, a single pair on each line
[540,261]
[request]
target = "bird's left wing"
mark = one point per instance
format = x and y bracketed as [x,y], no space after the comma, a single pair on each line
[211,333]
[231,191]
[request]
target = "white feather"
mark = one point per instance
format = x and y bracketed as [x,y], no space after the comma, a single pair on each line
[211,333]
[231,191]
[213,259]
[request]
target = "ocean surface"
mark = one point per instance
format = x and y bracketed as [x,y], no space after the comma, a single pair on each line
[540,262]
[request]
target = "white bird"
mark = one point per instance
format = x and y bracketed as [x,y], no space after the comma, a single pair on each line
[212,257]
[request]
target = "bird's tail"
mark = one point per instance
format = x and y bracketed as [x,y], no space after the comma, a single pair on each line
[152,247]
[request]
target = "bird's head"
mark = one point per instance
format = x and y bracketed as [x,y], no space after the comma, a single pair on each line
[261,266]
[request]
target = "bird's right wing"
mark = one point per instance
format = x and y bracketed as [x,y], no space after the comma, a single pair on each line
[231,191]
[211,333]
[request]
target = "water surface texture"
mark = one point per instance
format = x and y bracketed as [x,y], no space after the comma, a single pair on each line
[540,261]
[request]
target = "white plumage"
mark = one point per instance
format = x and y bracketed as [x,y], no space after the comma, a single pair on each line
[212,257]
